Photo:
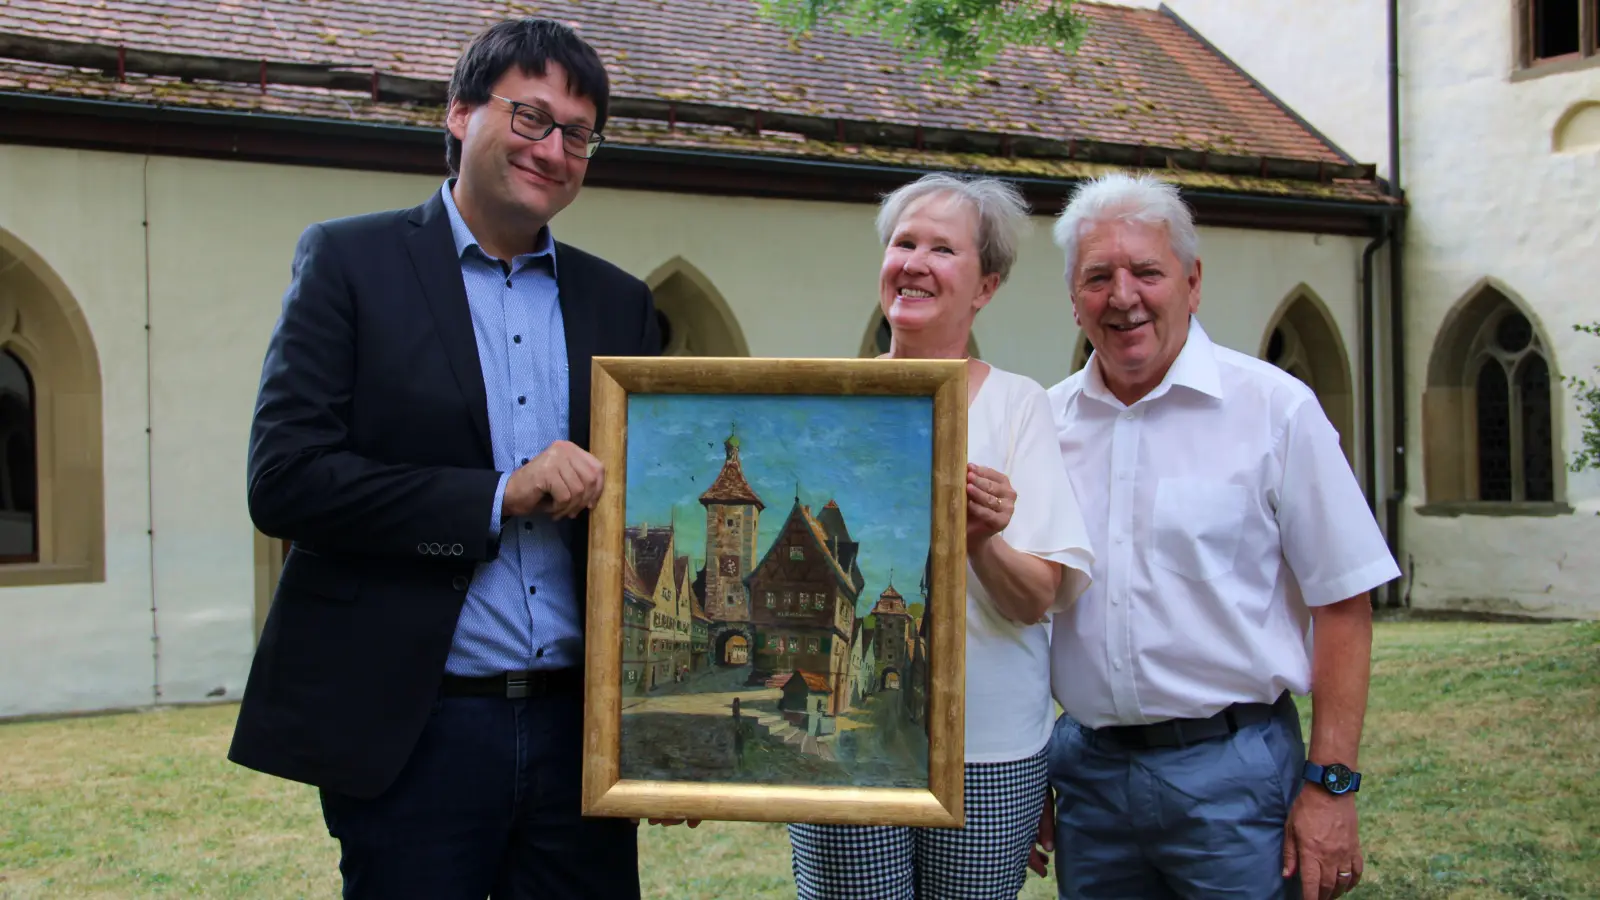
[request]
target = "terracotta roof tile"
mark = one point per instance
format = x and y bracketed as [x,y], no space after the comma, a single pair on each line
[1140,78]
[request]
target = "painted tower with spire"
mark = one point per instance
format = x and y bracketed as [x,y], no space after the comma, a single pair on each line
[733,513]
[895,637]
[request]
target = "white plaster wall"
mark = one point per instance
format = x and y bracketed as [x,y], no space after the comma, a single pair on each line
[87,646]
[800,277]
[222,236]
[1327,62]
[1490,198]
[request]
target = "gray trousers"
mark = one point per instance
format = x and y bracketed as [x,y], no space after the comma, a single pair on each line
[1205,820]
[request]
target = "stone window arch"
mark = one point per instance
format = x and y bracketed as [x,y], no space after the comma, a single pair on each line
[876,341]
[693,317]
[52,507]
[1490,410]
[1303,340]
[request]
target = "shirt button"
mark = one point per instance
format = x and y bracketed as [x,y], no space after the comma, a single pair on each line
[508,282]
[540,653]
[1116,664]
[521,400]
[516,339]
[524,460]
[1121,538]
[527,526]
[532,589]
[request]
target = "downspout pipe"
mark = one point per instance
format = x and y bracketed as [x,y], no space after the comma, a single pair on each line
[1369,392]
[1397,321]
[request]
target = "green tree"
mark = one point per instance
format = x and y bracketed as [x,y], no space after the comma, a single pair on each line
[1588,397]
[959,36]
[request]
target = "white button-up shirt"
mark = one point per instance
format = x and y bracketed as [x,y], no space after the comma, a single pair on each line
[1220,508]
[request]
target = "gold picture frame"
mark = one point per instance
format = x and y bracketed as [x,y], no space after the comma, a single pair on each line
[618,552]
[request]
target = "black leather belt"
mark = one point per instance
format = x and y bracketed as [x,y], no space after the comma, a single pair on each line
[1183,732]
[514,685]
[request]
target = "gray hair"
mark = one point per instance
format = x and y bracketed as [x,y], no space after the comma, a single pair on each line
[1132,198]
[1001,214]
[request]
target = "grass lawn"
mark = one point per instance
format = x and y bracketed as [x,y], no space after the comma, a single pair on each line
[1481,746]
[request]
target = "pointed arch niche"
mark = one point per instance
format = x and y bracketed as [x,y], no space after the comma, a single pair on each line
[1578,129]
[52,508]
[1490,416]
[693,317]
[1304,341]
[876,340]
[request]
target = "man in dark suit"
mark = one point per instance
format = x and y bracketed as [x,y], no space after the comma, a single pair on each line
[419,436]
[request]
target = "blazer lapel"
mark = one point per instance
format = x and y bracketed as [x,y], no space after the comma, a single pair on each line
[433,254]
[577,322]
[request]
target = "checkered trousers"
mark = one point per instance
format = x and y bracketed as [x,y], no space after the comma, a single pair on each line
[985,860]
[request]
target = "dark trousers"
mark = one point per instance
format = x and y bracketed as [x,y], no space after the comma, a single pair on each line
[1200,821]
[487,806]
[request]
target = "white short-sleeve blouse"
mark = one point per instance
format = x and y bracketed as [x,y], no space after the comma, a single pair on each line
[1009,711]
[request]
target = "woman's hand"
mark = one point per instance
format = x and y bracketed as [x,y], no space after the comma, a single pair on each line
[990,502]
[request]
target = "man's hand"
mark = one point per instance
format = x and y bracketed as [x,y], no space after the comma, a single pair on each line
[1045,843]
[563,481]
[1321,842]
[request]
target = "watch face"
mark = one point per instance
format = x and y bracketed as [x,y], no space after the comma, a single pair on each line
[1337,778]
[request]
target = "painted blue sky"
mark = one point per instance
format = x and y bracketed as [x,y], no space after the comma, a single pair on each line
[871,455]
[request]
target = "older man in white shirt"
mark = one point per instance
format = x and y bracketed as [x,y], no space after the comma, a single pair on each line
[1226,522]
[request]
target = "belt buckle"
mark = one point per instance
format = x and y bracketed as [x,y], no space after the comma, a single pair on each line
[517,686]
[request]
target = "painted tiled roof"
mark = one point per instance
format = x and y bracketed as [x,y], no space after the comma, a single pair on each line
[633,585]
[890,602]
[814,682]
[648,549]
[731,486]
[1141,80]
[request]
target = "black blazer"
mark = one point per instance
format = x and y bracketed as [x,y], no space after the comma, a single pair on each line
[370,450]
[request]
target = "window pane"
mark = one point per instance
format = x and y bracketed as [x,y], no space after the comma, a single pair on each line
[18,470]
[1555,28]
[1494,433]
[1538,454]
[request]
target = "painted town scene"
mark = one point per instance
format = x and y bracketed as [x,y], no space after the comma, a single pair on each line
[776,560]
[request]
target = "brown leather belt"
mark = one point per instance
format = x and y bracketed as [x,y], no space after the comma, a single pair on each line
[1184,732]
[514,685]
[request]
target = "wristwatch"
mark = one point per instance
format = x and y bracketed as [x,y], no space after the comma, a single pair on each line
[1335,778]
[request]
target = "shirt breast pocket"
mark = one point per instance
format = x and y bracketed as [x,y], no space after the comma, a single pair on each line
[1196,526]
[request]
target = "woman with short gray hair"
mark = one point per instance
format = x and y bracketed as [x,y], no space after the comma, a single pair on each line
[949,243]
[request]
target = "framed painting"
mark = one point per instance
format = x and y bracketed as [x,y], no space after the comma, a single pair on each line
[777,591]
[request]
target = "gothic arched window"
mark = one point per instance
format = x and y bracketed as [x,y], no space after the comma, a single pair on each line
[19,472]
[1488,428]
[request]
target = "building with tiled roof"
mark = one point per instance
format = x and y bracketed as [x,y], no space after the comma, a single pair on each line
[731,488]
[187,145]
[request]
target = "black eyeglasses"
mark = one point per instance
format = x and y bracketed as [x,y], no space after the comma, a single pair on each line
[535,124]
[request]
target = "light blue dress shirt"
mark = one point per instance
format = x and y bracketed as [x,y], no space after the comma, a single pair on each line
[520,611]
